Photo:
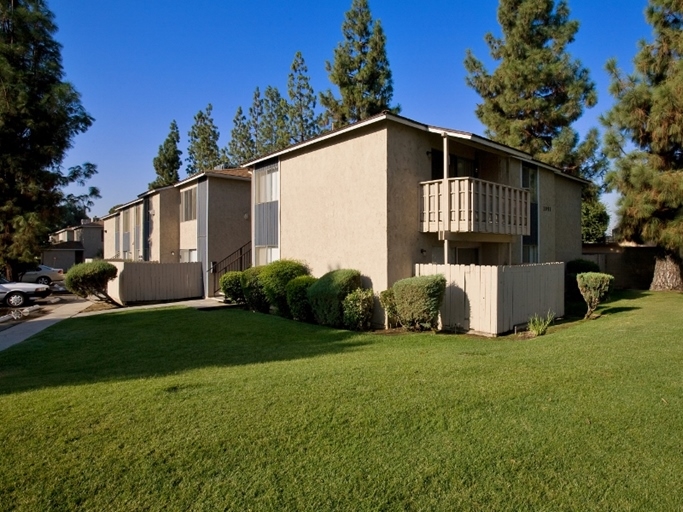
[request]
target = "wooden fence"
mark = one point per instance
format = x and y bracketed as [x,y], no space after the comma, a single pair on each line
[150,282]
[492,300]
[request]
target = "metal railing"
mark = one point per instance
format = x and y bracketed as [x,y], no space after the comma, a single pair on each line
[237,261]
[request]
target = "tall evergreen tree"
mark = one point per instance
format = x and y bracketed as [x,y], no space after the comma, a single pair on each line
[273,133]
[645,139]
[256,120]
[40,114]
[242,146]
[304,123]
[167,163]
[360,70]
[202,151]
[537,91]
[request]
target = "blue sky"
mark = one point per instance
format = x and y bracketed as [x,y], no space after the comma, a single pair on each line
[139,64]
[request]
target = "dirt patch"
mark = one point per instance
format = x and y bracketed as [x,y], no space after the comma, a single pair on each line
[99,306]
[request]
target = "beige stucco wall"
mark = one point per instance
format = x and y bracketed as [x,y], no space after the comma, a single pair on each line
[164,226]
[110,238]
[546,216]
[333,205]
[229,210]
[567,219]
[91,238]
[188,229]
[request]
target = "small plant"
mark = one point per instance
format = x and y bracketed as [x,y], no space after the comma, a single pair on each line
[571,270]
[328,292]
[594,288]
[538,325]
[91,279]
[274,279]
[418,300]
[297,298]
[388,303]
[231,286]
[358,306]
[253,290]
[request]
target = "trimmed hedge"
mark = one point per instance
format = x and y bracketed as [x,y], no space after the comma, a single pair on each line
[253,290]
[231,286]
[595,288]
[274,279]
[388,303]
[297,298]
[357,307]
[86,279]
[418,300]
[328,292]
[572,269]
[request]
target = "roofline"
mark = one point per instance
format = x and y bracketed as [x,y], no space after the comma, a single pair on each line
[109,215]
[209,174]
[154,190]
[456,134]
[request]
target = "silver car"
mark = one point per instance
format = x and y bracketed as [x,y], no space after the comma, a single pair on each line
[42,274]
[16,295]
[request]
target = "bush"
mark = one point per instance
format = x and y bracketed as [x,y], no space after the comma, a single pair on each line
[231,286]
[357,307]
[91,279]
[388,303]
[253,290]
[574,267]
[538,325]
[418,300]
[274,279]
[328,292]
[594,288]
[297,298]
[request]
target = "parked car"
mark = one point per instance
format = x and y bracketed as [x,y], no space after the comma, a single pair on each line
[17,295]
[42,274]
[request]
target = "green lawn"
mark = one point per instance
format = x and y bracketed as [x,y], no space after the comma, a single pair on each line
[177,409]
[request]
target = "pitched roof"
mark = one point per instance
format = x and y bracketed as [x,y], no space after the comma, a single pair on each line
[65,246]
[239,174]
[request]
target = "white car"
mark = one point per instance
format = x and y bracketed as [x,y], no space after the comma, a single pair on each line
[16,295]
[42,274]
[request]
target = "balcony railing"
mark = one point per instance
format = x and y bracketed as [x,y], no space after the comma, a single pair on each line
[474,206]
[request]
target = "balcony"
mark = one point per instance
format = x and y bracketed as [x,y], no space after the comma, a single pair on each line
[474,206]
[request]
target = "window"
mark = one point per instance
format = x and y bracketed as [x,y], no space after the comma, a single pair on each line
[188,255]
[188,204]
[266,212]
[458,166]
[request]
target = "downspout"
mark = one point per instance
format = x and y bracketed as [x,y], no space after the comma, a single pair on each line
[446,200]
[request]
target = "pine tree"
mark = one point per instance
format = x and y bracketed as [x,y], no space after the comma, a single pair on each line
[202,150]
[537,91]
[304,123]
[40,114]
[167,163]
[360,70]
[273,133]
[256,120]
[645,139]
[242,146]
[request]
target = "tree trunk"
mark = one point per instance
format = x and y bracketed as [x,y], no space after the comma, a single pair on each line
[667,273]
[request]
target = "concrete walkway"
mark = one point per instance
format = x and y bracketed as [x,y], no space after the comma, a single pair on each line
[28,328]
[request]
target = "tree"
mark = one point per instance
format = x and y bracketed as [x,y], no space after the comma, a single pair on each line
[255,120]
[360,70]
[273,133]
[202,150]
[40,115]
[304,123]
[645,139]
[167,163]
[537,91]
[594,221]
[241,147]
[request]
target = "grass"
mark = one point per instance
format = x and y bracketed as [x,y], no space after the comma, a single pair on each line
[178,409]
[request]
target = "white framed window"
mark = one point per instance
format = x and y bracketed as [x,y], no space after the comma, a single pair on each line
[188,204]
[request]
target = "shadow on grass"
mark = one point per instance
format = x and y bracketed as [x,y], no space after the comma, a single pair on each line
[607,310]
[137,344]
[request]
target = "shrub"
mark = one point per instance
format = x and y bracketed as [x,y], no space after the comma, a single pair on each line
[357,307]
[574,267]
[538,325]
[253,290]
[388,303]
[594,288]
[231,286]
[297,298]
[274,279]
[91,279]
[328,292]
[418,300]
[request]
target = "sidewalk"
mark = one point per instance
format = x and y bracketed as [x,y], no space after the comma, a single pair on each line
[28,328]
